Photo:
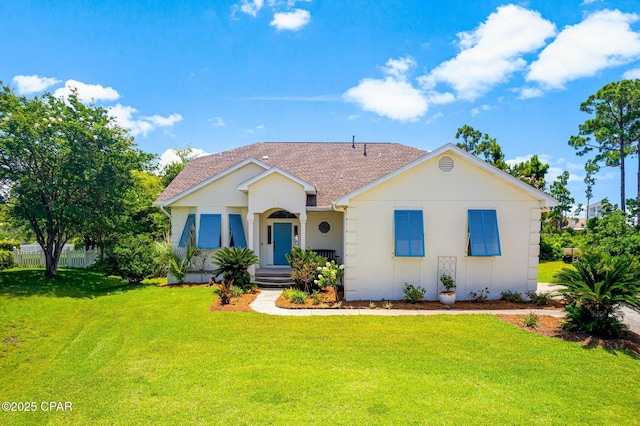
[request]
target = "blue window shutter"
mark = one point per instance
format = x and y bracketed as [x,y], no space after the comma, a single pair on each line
[483,233]
[237,230]
[409,233]
[209,235]
[191,219]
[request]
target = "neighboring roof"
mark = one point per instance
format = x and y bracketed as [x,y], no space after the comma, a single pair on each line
[334,168]
[545,199]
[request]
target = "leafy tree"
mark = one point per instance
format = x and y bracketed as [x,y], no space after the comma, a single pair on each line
[612,233]
[594,289]
[171,170]
[560,192]
[62,161]
[614,132]
[136,214]
[532,172]
[481,145]
[590,168]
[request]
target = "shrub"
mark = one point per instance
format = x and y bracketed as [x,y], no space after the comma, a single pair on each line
[225,292]
[317,298]
[387,304]
[286,293]
[8,245]
[233,264]
[447,282]
[329,276]
[539,299]
[180,262]
[413,294]
[512,296]
[594,289]
[6,259]
[480,296]
[298,297]
[131,257]
[372,305]
[531,320]
[236,291]
[304,267]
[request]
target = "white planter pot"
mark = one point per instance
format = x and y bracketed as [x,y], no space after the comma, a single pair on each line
[447,297]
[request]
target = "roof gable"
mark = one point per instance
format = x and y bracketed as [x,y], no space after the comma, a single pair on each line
[333,168]
[545,199]
[244,186]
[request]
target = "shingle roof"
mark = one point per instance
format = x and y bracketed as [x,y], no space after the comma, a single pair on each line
[334,168]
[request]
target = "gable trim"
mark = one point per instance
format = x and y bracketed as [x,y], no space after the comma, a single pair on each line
[212,179]
[308,188]
[545,200]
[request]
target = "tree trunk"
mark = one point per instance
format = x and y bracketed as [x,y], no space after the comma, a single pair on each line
[52,253]
[638,193]
[623,205]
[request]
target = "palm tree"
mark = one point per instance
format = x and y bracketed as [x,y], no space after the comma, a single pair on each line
[594,290]
[233,264]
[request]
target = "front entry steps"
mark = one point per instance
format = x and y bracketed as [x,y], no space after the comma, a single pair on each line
[274,278]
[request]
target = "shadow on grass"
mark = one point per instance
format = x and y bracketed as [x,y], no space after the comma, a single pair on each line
[75,283]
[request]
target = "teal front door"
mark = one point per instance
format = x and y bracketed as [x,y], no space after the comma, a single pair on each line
[281,242]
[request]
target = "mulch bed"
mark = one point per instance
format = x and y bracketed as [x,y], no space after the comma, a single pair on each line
[329,299]
[237,304]
[552,327]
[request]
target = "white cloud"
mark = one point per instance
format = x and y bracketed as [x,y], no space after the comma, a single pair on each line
[477,110]
[124,117]
[434,117]
[87,92]
[530,92]
[216,122]
[492,52]
[393,96]
[603,40]
[250,7]
[170,156]
[291,21]
[26,84]
[160,121]
[632,74]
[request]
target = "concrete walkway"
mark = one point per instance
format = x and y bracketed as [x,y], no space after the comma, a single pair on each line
[266,303]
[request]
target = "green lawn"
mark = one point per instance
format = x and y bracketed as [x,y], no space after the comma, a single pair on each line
[548,269]
[155,355]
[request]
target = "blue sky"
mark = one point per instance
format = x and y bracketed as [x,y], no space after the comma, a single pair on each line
[222,74]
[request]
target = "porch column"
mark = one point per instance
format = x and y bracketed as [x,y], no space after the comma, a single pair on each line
[250,242]
[303,233]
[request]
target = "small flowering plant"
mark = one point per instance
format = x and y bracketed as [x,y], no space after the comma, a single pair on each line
[329,276]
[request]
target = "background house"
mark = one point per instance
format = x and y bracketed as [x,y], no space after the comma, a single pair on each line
[391,213]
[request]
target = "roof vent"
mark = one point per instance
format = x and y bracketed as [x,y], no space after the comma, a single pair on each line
[265,157]
[445,164]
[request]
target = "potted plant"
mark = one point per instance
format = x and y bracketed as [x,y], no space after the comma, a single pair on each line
[448,295]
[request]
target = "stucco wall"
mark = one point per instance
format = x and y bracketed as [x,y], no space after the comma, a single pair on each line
[332,240]
[373,272]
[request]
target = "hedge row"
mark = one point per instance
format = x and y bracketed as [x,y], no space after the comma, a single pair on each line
[6,259]
[8,245]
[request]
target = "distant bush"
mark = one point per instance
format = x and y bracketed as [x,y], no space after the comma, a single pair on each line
[8,245]
[6,259]
[539,299]
[131,257]
[413,294]
[512,296]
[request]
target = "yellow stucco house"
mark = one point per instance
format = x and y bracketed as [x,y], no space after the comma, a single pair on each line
[390,213]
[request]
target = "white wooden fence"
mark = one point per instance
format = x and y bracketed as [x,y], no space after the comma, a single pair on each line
[69,258]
